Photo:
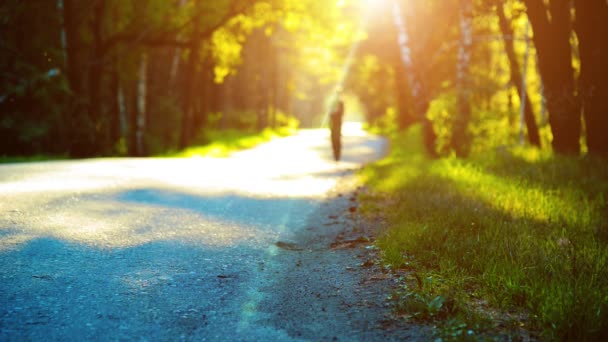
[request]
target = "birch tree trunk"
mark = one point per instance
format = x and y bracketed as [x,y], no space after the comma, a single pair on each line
[141,106]
[95,76]
[516,76]
[418,91]
[175,63]
[115,103]
[72,47]
[190,74]
[461,139]
[62,32]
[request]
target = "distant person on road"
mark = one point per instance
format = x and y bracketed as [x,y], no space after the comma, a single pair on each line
[335,125]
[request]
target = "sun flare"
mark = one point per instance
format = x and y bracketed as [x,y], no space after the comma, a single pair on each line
[374,5]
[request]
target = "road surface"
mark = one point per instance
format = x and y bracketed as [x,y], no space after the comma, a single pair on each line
[188,249]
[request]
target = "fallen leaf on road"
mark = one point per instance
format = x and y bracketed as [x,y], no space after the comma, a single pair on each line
[350,243]
[368,263]
[288,246]
[43,277]
[380,277]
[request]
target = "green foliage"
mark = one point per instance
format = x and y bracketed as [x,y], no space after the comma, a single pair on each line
[31,83]
[513,230]
[163,125]
[373,82]
[223,143]
[30,159]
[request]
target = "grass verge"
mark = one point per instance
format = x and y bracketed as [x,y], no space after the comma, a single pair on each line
[223,143]
[510,240]
[28,159]
[220,143]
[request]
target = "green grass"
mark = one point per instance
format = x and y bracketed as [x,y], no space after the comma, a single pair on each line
[28,159]
[509,239]
[220,143]
[223,143]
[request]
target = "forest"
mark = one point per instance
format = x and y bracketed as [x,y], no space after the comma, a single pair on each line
[493,195]
[142,77]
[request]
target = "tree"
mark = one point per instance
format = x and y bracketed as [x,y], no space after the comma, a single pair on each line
[32,78]
[460,137]
[421,51]
[516,76]
[592,32]
[552,27]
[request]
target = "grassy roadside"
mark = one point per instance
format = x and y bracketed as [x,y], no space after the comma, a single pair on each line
[216,144]
[514,239]
[222,143]
[28,159]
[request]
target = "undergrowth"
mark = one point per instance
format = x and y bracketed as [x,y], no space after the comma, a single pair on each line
[222,143]
[508,240]
[28,159]
[213,143]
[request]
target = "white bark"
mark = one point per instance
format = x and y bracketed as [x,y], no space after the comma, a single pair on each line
[175,66]
[64,45]
[543,101]
[403,39]
[176,58]
[122,112]
[466,42]
[524,88]
[141,104]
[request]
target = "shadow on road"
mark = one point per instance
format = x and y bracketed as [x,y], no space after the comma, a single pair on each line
[161,290]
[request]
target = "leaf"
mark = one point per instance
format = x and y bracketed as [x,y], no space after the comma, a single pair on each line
[289,246]
[436,304]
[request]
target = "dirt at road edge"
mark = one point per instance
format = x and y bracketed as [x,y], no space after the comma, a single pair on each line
[329,286]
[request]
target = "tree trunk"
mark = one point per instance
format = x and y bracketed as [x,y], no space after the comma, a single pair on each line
[133,98]
[461,139]
[79,124]
[405,117]
[207,84]
[63,40]
[516,76]
[552,29]
[274,88]
[95,76]
[203,79]
[73,47]
[592,31]
[140,149]
[175,63]
[115,132]
[190,74]
[419,94]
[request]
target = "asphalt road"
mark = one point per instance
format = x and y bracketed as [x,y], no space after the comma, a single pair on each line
[188,249]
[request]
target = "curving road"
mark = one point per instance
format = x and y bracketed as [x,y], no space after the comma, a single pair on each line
[170,249]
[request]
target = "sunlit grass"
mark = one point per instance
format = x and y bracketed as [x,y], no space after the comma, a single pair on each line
[218,143]
[223,143]
[521,231]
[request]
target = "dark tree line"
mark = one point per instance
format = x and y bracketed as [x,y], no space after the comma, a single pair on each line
[111,76]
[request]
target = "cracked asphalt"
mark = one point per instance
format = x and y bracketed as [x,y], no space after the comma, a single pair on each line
[236,248]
